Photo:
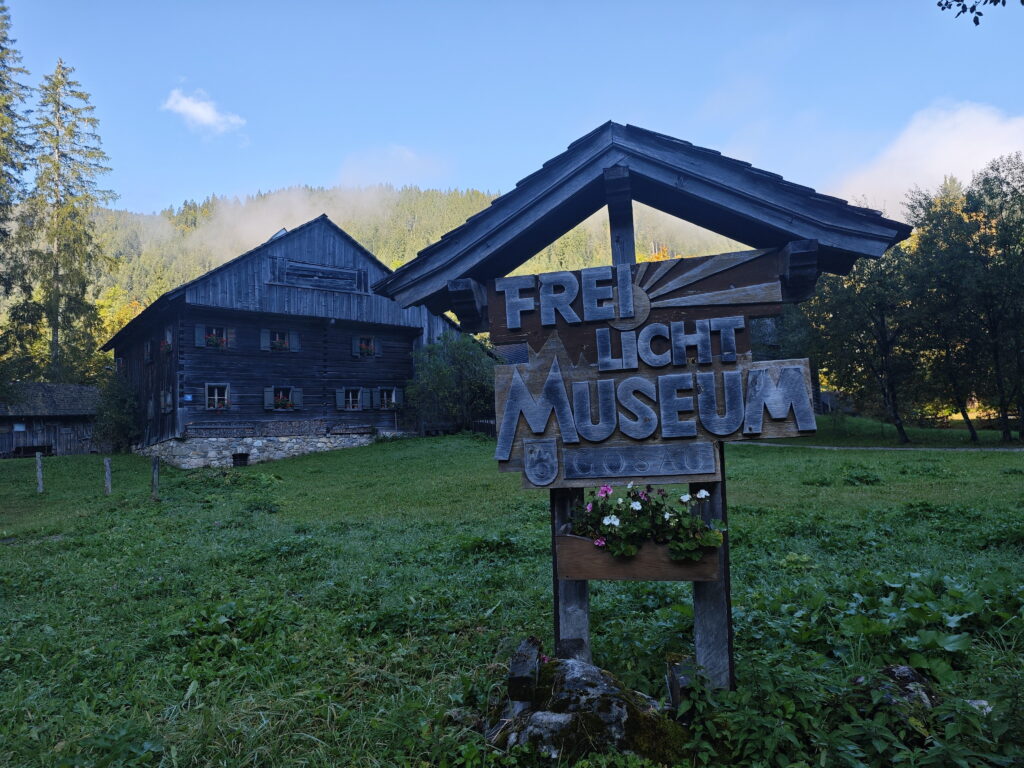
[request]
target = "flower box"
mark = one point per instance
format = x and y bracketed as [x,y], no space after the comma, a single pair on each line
[579,559]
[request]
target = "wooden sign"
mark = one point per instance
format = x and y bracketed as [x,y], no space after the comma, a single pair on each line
[634,371]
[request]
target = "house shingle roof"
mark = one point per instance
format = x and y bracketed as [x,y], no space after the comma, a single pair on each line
[43,399]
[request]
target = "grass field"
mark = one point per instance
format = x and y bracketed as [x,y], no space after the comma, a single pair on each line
[843,430]
[329,609]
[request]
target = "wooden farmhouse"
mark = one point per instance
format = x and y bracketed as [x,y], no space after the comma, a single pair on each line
[281,351]
[53,419]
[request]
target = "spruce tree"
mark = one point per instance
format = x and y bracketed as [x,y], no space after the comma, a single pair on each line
[13,155]
[63,254]
[13,147]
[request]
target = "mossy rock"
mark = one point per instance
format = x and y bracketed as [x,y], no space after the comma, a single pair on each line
[578,709]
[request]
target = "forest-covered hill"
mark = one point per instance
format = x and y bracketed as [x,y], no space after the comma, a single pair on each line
[150,254]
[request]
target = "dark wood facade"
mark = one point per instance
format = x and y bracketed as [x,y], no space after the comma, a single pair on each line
[287,339]
[53,419]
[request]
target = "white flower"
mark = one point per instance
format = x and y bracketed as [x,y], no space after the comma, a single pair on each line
[668,515]
[620,501]
[685,498]
[702,494]
[611,520]
[630,484]
[636,505]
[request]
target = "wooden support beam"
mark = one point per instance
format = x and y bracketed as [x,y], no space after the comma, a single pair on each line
[712,600]
[572,598]
[620,214]
[106,477]
[798,267]
[469,302]
[39,472]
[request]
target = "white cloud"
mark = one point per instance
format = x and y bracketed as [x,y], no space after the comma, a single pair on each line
[201,113]
[943,140]
[394,164]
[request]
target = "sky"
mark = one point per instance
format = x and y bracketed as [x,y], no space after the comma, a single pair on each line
[860,98]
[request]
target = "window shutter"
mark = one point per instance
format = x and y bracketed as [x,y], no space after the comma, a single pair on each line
[398,396]
[265,339]
[376,397]
[149,408]
[230,333]
[296,397]
[268,398]
[355,346]
[339,399]
[365,398]
[200,335]
[378,347]
[227,396]
[293,341]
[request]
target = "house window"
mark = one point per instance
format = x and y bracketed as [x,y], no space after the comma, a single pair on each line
[217,397]
[387,397]
[279,341]
[147,351]
[215,336]
[367,346]
[283,399]
[19,426]
[166,400]
[167,342]
[353,400]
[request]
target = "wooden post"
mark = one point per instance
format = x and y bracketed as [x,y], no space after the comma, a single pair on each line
[572,598]
[39,472]
[619,197]
[712,600]
[106,476]
[156,478]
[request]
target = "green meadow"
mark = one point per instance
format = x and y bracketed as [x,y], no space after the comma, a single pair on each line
[333,609]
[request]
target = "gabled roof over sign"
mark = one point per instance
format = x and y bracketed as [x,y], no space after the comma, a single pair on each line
[727,196]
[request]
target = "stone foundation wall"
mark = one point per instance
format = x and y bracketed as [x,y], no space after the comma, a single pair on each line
[217,451]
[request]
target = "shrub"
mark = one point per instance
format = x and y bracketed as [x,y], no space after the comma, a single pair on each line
[453,382]
[117,418]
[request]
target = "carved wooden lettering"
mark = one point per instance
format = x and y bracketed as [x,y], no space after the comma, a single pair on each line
[637,389]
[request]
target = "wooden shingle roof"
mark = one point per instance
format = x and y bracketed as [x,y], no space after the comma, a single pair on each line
[44,399]
[727,196]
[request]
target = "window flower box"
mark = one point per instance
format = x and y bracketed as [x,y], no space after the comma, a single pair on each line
[216,341]
[578,558]
[165,346]
[640,534]
[283,404]
[279,345]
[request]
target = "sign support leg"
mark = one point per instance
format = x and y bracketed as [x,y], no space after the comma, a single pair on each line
[712,600]
[572,598]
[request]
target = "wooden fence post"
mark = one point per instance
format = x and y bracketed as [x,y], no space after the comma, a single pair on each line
[572,598]
[39,472]
[156,478]
[712,600]
[106,476]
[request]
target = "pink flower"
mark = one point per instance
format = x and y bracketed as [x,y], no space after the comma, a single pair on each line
[544,659]
[606,490]
[643,496]
[590,507]
[600,542]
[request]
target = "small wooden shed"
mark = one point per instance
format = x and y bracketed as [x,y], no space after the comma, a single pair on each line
[53,419]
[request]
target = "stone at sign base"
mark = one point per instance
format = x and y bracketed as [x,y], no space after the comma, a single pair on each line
[578,709]
[579,559]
